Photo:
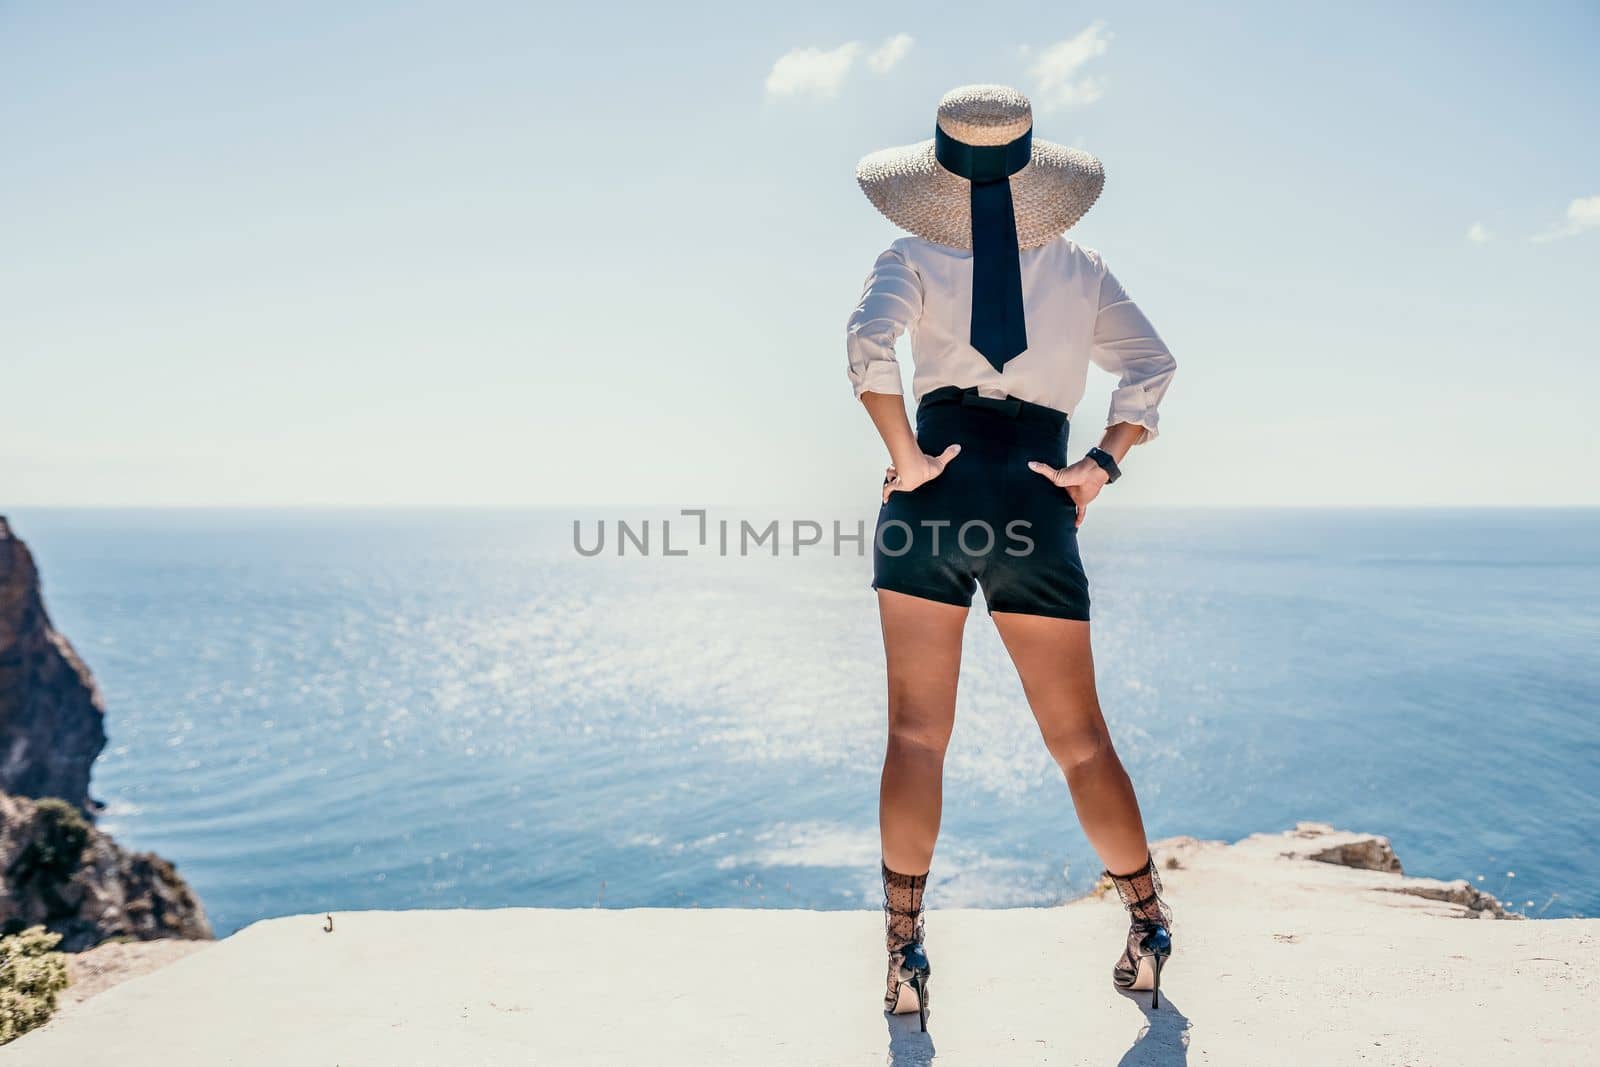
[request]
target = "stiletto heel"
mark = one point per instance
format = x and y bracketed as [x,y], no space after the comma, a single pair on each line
[913,972]
[908,960]
[1149,934]
[918,985]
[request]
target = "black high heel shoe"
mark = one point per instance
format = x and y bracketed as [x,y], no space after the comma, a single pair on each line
[907,986]
[1149,934]
[910,993]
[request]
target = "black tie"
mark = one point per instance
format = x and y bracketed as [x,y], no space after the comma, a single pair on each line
[998,329]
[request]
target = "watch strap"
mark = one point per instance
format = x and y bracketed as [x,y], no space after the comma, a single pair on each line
[1106,462]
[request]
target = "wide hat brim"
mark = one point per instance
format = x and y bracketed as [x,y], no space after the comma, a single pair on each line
[1049,195]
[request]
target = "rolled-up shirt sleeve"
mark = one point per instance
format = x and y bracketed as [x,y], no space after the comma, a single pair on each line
[891,302]
[1127,345]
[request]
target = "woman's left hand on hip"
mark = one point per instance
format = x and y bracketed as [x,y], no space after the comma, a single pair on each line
[1082,481]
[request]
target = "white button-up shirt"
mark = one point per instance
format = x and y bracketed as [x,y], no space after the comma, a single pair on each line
[1076,312]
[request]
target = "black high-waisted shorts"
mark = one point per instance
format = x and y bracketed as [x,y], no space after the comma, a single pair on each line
[987,520]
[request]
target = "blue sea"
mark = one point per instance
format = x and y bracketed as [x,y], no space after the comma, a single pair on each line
[324,711]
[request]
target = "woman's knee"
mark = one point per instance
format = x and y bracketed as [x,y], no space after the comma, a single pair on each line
[921,718]
[914,735]
[1080,748]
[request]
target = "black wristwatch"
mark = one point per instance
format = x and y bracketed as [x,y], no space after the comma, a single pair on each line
[1107,464]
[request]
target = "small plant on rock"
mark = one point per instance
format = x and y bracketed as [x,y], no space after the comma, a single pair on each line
[31,974]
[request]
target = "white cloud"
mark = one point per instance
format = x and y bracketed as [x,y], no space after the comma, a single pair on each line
[1057,70]
[890,52]
[1582,214]
[822,71]
[1478,233]
[812,70]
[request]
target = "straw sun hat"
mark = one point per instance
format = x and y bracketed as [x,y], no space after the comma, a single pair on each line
[1053,188]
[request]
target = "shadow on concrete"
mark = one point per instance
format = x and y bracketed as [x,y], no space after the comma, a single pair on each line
[1163,1040]
[908,1045]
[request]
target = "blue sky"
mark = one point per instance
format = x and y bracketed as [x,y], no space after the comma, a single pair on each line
[485,254]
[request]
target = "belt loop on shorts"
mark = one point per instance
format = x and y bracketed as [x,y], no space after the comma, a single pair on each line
[1006,405]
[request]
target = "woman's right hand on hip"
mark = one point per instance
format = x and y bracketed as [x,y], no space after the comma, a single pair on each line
[908,476]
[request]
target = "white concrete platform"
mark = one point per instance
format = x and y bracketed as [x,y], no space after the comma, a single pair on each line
[1279,961]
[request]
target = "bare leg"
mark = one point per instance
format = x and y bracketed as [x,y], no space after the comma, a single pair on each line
[922,644]
[1057,668]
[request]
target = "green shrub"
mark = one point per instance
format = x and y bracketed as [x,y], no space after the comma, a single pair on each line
[54,851]
[57,848]
[31,975]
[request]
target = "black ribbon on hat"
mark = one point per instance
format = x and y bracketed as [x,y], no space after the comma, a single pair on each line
[998,330]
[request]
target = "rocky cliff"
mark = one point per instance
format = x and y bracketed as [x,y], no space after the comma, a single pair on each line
[62,872]
[51,717]
[56,868]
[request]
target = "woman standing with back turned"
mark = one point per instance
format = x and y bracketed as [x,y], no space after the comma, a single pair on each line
[1005,315]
